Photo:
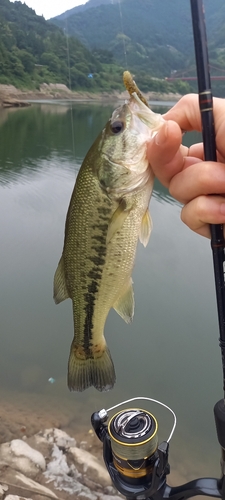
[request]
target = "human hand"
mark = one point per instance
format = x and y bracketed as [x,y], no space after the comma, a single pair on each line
[188,177]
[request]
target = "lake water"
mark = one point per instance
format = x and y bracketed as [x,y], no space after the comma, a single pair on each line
[170,352]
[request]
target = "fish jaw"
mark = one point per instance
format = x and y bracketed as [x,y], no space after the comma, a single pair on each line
[153,121]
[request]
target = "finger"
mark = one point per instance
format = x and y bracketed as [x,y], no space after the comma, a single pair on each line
[187,114]
[202,211]
[198,179]
[163,149]
[197,151]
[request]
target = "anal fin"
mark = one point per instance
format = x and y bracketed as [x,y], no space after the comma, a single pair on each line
[124,305]
[60,288]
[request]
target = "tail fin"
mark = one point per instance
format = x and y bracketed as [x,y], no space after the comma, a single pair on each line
[85,372]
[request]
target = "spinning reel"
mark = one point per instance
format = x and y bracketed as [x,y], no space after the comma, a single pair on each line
[138,465]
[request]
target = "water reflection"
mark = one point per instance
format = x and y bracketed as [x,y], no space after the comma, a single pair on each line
[31,134]
[169,352]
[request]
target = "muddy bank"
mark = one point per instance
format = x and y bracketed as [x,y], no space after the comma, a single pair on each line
[11,96]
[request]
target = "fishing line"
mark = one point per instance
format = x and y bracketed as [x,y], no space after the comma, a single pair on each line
[122,29]
[69,77]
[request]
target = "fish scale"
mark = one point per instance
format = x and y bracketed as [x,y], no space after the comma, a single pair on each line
[107,214]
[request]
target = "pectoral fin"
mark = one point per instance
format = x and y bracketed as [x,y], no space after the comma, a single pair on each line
[118,219]
[124,305]
[60,288]
[146,228]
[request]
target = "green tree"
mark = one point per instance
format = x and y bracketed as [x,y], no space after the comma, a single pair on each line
[27,60]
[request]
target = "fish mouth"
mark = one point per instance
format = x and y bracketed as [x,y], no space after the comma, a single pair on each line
[153,121]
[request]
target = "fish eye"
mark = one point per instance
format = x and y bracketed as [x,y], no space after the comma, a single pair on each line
[117,127]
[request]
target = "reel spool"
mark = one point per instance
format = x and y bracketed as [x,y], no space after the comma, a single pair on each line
[134,442]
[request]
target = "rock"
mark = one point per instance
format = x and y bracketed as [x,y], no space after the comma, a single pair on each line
[92,485]
[16,497]
[72,470]
[83,445]
[25,484]
[56,89]
[9,89]
[58,466]
[87,496]
[109,497]
[66,477]
[60,438]
[96,471]
[14,103]
[110,490]
[3,489]
[20,456]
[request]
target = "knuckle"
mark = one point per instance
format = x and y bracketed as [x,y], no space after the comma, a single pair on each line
[205,178]
[177,192]
[200,206]
[193,213]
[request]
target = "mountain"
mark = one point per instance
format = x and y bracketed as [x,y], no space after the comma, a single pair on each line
[150,35]
[33,51]
[110,35]
[82,8]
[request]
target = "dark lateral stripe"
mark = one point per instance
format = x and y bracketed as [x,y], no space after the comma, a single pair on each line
[104,211]
[89,310]
[97,260]
[98,240]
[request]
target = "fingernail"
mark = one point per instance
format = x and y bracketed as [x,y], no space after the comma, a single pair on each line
[161,135]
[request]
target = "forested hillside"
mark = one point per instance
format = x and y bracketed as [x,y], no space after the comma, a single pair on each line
[90,48]
[148,32]
[150,36]
[33,51]
[87,5]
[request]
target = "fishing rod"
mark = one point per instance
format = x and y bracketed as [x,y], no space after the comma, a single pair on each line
[217,237]
[137,464]
[209,143]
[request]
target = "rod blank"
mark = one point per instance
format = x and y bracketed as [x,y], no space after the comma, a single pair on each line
[209,142]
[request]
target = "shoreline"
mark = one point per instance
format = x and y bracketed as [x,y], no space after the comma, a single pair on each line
[41,454]
[10,96]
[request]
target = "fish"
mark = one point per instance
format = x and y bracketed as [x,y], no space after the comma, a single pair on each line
[107,215]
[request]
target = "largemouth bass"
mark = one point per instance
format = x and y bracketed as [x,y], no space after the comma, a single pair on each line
[108,213]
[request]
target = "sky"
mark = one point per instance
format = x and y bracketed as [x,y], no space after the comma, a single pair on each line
[52,8]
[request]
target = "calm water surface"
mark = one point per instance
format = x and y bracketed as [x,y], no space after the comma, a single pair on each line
[170,352]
